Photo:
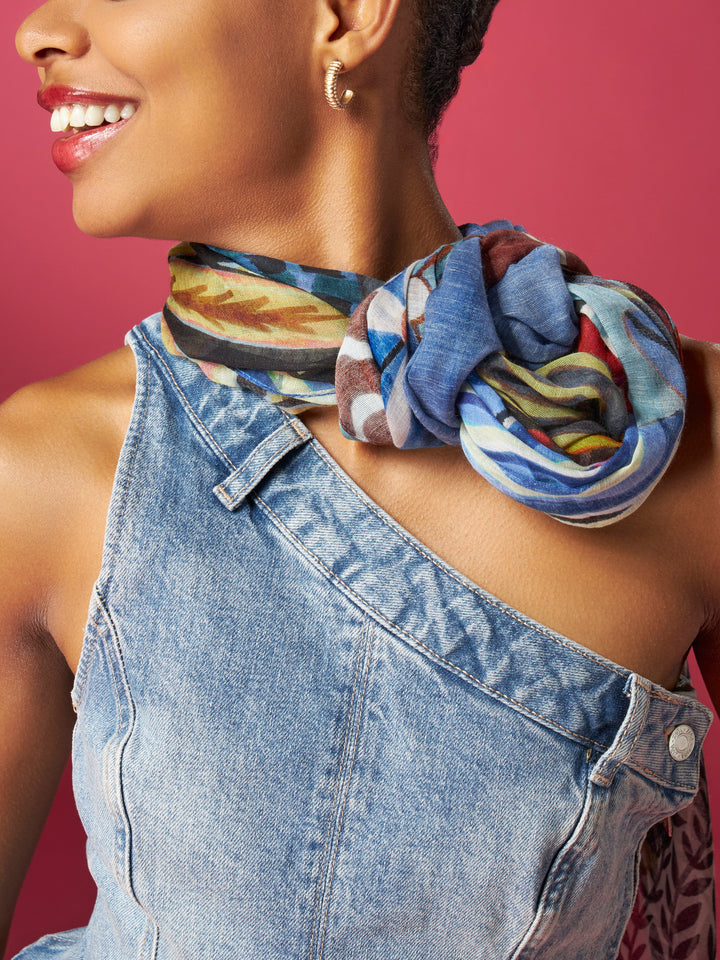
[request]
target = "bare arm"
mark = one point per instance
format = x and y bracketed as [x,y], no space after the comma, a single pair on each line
[36,716]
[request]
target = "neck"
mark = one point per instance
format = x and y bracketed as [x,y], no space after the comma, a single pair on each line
[362,201]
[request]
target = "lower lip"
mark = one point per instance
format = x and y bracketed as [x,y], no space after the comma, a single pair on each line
[70,152]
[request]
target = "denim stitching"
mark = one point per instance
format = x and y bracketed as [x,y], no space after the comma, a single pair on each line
[142,419]
[192,413]
[639,768]
[256,450]
[92,632]
[413,641]
[259,473]
[546,914]
[321,886]
[121,746]
[297,424]
[572,848]
[115,803]
[483,597]
[156,938]
[659,695]
[347,790]
[146,934]
[608,761]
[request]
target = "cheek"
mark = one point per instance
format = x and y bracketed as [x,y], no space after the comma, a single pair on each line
[219,95]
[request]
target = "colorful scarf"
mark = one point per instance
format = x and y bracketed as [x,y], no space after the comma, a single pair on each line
[565,391]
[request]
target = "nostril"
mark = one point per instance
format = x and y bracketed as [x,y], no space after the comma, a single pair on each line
[49,34]
[47,53]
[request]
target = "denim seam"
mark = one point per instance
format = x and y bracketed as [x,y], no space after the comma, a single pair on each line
[120,813]
[368,658]
[261,446]
[58,937]
[608,761]
[481,595]
[114,802]
[322,886]
[658,778]
[259,473]
[142,419]
[146,933]
[193,415]
[150,927]
[418,644]
[92,633]
[552,889]
[658,694]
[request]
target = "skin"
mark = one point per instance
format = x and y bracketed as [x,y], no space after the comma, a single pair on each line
[350,190]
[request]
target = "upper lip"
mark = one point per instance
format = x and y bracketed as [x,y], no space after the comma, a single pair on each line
[59,95]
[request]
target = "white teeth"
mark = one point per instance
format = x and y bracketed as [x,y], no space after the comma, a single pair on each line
[60,119]
[78,116]
[94,115]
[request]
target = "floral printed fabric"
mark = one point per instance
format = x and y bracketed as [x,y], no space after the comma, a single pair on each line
[565,390]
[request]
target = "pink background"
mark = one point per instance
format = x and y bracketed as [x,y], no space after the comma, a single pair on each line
[592,124]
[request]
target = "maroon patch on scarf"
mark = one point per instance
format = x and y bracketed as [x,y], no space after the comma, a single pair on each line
[501,248]
[353,378]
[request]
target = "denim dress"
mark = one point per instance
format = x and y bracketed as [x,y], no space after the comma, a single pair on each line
[302,735]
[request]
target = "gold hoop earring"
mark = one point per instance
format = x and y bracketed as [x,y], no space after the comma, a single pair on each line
[331,90]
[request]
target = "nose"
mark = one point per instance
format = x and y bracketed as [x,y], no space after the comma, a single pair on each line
[52,32]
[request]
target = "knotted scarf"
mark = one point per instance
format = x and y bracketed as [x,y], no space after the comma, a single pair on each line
[565,390]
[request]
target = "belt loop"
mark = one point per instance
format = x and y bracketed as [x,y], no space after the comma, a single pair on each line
[626,737]
[269,452]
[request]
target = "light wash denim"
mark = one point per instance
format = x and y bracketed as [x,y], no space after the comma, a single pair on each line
[301,735]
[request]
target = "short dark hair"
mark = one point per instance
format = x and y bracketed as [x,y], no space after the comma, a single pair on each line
[449,35]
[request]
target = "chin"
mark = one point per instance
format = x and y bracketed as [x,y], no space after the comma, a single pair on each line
[118,219]
[101,219]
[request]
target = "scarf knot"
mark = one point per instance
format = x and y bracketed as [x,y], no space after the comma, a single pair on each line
[565,390]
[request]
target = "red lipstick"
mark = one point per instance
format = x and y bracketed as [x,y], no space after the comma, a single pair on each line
[71,151]
[58,95]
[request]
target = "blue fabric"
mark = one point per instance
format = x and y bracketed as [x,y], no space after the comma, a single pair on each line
[302,735]
[475,360]
[565,391]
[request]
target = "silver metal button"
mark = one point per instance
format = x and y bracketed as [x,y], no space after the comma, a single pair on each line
[682,742]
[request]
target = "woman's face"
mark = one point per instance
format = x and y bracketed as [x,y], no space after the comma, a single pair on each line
[215,137]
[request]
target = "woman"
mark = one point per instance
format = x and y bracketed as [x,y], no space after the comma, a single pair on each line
[318,796]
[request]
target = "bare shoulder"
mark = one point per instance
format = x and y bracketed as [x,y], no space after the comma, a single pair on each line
[59,444]
[61,406]
[58,431]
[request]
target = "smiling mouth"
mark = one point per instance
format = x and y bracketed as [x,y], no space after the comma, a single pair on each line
[80,118]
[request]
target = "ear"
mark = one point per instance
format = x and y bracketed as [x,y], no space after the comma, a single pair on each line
[352,30]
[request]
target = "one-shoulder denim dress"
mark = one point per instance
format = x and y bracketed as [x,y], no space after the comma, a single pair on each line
[302,735]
